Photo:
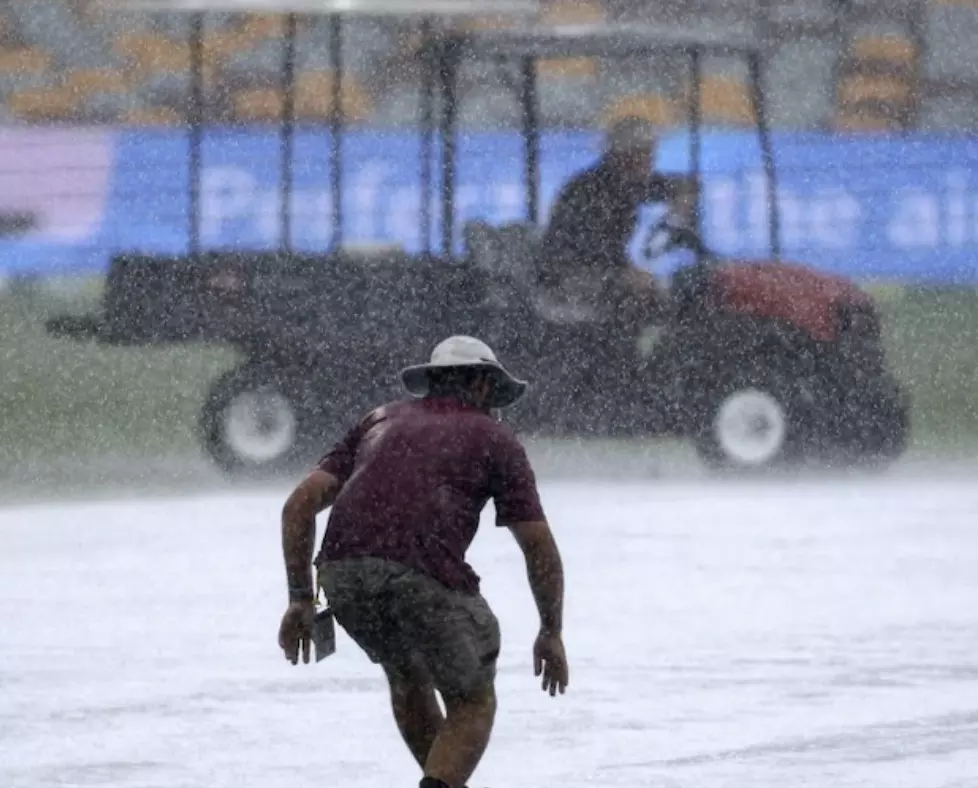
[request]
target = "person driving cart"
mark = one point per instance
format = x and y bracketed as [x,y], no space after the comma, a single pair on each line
[595,216]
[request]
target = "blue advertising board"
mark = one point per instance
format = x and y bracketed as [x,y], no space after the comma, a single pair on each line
[897,209]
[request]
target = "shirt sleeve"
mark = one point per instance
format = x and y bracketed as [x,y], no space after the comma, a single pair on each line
[340,460]
[513,483]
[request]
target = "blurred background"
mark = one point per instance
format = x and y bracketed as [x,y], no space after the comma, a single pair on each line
[874,104]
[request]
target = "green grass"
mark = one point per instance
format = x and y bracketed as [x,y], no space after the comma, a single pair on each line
[62,400]
[932,338]
[71,403]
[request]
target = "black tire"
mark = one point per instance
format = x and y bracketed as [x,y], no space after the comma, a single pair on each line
[257,421]
[891,437]
[751,422]
[872,429]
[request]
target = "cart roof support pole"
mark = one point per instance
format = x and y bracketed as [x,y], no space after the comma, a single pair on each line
[531,138]
[336,129]
[448,71]
[196,119]
[288,135]
[767,152]
[427,99]
[694,119]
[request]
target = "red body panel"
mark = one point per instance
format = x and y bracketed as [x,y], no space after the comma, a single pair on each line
[784,291]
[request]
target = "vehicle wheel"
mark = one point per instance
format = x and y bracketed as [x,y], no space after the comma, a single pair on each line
[749,424]
[874,432]
[255,420]
[887,441]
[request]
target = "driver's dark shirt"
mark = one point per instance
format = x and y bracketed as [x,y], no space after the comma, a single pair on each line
[593,220]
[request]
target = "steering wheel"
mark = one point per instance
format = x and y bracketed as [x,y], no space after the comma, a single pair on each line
[670,233]
[686,283]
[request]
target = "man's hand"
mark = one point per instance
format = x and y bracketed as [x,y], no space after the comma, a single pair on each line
[311,496]
[296,631]
[550,661]
[546,573]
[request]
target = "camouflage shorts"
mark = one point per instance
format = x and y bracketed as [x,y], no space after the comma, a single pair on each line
[404,620]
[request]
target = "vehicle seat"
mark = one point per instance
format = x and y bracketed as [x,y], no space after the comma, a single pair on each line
[482,245]
[510,254]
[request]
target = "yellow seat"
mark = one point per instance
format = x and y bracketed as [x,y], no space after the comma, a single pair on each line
[150,53]
[487,22]
[649,107]
[726,101]
[313,101]
[567,68]
[43,104]
[572,12]
[96,80]
[217,46]
[866,123]
[314,83]
[263,26]
[260,105]
[893,50]
[860,89]
[565,13]
[314,97]
[154,116]
[561,13]
[26,60]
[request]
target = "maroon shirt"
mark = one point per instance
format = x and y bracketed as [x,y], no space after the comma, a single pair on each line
[415,477]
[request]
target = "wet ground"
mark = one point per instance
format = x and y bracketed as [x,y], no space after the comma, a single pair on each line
[721,634]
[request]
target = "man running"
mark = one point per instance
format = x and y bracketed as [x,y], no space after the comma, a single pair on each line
[407,486]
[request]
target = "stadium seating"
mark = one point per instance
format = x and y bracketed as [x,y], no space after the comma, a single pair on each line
[24,60]
[570,12]
[262,27]
[153,117]
[799,76]
[726,101]
[865,121]
[656,109]
[877,75]
[949,68]
[263,105]
[45,104]
[314,97]
[878,66]
[150,52]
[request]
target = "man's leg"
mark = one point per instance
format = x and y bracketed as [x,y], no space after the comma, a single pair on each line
[462,740]
[642,300]
[455,638]
[416,710]
[356,593]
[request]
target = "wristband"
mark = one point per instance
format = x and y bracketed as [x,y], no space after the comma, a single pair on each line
[301,593]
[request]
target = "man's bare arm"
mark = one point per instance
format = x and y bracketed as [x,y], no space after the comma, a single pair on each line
[545,572]
[313,494]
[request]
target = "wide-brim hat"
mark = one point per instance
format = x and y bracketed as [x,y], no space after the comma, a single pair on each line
[464,352]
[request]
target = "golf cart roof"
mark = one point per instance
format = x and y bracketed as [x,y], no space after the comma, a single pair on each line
[402,8]
[593,40]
